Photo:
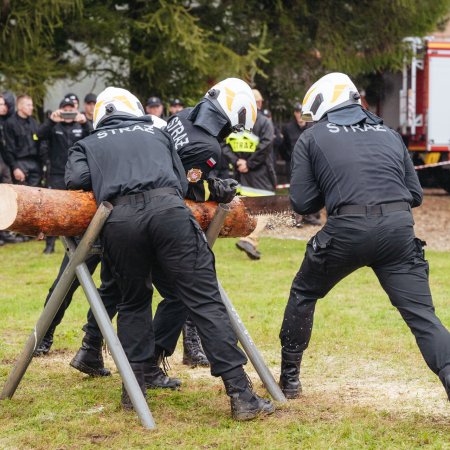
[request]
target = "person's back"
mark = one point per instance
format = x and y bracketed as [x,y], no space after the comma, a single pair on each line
[354,160]
[130,158]
[361,170]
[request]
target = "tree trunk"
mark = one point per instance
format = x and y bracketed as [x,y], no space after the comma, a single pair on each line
[49,212]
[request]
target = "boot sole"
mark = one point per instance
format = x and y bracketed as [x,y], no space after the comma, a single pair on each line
[154,386]
[188,362]
[38,354]
[251,415]
[88,370]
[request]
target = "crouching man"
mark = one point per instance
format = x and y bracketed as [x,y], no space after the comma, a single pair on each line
[133,165]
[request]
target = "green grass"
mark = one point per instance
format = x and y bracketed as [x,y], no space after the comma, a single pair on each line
[365,383]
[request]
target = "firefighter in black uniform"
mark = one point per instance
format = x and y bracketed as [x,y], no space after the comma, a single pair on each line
[360,170]
[61,133]
[132,164]
[196,133]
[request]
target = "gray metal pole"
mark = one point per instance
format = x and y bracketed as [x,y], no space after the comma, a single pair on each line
[55,300]
[118,354]
[243,335]
[251,349]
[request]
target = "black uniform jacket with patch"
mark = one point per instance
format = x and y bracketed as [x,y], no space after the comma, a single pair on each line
[122,157]
[196,133]
[21,139]
[61,136]
[196,147]
[350,158]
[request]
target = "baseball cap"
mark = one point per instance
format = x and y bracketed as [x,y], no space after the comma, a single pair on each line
[90,98]
[298,106]
[66,101]
[72,96]
[154,101]
[176,101]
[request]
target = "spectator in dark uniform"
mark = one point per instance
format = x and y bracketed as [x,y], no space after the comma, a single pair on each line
[89,106]
[154,107]
[61,133]
[360,170]
[5,112]
[291,133]
[251,155]
[22,150]
[175,105]
[5,171]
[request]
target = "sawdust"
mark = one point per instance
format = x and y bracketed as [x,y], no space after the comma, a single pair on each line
[432,220]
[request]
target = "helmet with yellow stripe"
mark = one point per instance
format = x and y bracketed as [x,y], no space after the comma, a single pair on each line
[332,91]
[116,102]
[235,99]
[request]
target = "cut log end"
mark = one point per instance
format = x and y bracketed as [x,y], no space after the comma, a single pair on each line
[8,206]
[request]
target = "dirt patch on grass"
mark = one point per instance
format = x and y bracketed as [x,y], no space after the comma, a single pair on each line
[432,222]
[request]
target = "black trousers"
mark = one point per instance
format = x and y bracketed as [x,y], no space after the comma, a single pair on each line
[387,244]
[5,172]
[162,234]
[32,169]
[108,291]
[170,314]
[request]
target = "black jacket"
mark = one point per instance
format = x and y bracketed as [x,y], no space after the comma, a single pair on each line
[261,174]
[124,156]
[350,158]
[196,147]
[60,136]
[291,133]
[21,140]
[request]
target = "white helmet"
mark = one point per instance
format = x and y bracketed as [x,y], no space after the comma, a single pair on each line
[235,99]
[332,90]
[116,101]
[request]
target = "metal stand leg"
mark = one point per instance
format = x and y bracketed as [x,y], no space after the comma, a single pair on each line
[236,322]
[55,301]
[102,318]
[77,267]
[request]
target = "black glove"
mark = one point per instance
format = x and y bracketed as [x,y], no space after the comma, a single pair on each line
[222,191]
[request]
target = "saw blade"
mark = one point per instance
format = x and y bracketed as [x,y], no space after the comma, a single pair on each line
[270,204]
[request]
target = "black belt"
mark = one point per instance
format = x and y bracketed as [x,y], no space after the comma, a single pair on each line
[372,210]
[142,197]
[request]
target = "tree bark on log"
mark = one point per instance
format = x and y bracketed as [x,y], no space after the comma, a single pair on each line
[37,211]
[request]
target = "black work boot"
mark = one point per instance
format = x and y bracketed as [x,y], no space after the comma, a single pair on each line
[138,370]
[193,354]
[290,374]
[245,404]
[157,378]
[444,376]
[44,347]
[89,358]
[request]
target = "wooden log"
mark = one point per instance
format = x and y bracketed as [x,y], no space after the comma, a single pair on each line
[50,212]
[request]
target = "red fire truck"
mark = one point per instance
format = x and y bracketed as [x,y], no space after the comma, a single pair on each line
[425,108]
